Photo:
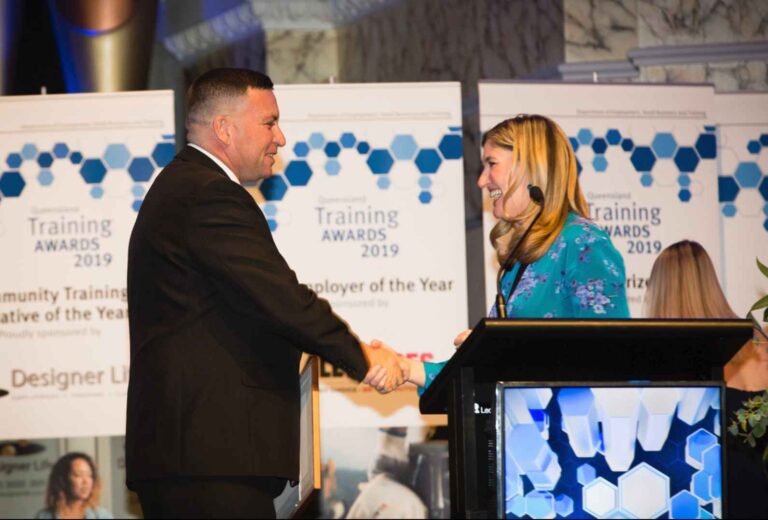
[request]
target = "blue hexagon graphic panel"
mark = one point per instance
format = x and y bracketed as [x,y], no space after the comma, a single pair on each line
[29,151]
[363,147]
[273,188]
[686,159]
[584,136]
[332,149]
[380,161]
[404,147]
[664,145]
[599,145]
[298,173]
[748,174]
[14,160]
[60,150]
[93,171]
[627,145]
[642,159]
[141,169]
[117,155]
[727,189]
[753,147]
[45,160]
[76,158]
[763,188]
[11,184]
[613,137]
[706,146]
[450,146]
[163,154]
[301,149]
[428,160]
[347,140]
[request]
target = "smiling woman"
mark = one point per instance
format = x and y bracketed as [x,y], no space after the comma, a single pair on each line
[73,489]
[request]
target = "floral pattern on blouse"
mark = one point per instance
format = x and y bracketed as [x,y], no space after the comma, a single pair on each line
[580,276]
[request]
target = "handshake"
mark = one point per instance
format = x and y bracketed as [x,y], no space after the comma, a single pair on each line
[387,370]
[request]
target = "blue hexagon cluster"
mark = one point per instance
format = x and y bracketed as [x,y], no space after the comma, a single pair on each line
[663,146]
[747,175]
[92,170]
[380,161]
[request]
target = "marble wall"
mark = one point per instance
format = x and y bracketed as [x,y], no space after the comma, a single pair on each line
[302,56]
[597,30]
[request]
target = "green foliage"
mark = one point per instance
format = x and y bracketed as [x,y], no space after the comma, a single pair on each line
[751,421]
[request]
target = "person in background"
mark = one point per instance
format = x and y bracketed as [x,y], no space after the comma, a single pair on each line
[683,284]
[566,267]
[73,489]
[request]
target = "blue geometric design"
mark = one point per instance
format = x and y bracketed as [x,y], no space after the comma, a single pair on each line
[316,140]
[600,498]
[272,223]
[428,160]
[564,505]
[700,486]
[664,145]
[138,191]
[748,174]
[684,195]
[517,506]
[347,140]
[14,160]
[644,492]
[332,167]
[753,147]
[599,145]
[684,181]
[684,505]
[60,150]
[76,157]
[117,155]
[93,171]
[727,189]
[383,182]
[580,418]
[301,149]
[695,446]
[298,173]
[45,178]
[97,192]
[584,136]
[729,210]
[627,144]
[574,144]
[585,474]
[45,160]
[763,189]
[332,149]
[425,197]
[706,146]
[686,159]
[380,161]
[363,147]
[269,209]
[140,169]
[29,151]
[540,504]
[533,456]
[163,154]
[646,179]
[599,163]
[425,182]
[404,147]
[642,159]
[764,139]
[136,205]
[11,184]
[613,137]
[450,146]
[273,188]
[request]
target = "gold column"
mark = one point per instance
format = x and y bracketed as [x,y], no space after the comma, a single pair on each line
[105,45]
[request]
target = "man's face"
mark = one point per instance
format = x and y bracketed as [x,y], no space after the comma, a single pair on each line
[255,135]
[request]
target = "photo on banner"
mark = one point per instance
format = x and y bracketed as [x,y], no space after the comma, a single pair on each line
[647,162]
[367,206]
[75,170]
[743,181]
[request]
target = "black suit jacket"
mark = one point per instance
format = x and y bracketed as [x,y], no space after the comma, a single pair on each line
[217,323]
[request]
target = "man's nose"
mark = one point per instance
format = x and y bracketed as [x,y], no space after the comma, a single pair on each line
[279,136]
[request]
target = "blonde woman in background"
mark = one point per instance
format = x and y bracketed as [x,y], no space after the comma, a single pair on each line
[683,284]
[73,489]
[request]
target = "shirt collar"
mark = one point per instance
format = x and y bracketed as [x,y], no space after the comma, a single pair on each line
[218,162]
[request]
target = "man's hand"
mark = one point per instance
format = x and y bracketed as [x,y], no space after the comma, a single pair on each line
[458,340]
[387,369]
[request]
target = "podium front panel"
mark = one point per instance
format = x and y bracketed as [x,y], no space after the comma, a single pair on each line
[610,450]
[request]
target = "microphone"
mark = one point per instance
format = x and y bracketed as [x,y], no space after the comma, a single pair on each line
[537,196]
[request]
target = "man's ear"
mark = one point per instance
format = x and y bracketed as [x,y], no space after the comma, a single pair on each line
[222,129]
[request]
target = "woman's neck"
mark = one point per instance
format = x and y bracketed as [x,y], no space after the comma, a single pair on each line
[74,509]
[747,370]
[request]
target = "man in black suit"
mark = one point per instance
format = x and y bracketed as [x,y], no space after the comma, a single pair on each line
[218,320]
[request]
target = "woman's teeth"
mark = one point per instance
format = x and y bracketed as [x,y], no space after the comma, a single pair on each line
[495,194]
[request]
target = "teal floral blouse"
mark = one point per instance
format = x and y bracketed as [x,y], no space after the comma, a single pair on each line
[581,276]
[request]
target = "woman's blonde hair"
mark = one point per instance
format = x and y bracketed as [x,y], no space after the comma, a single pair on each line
[683,284]
[542,156]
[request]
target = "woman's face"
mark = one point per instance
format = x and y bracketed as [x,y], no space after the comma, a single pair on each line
[497,177]
[81,479]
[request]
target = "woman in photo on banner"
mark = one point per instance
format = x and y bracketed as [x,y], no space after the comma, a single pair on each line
[73,489]
[558,263]
[683,284]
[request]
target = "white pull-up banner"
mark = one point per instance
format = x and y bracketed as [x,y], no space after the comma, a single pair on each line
[74,171]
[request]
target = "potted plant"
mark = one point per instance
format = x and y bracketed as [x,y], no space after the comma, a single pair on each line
[751,421]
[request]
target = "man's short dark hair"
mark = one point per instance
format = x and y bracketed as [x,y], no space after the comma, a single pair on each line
[218,84]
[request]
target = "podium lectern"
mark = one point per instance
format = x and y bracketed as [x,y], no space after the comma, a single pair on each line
[562,353]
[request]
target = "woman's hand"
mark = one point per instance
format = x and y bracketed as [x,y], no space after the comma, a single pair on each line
[461,337]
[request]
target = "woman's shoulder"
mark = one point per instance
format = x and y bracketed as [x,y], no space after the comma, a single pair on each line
[98,513]
[580,230]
